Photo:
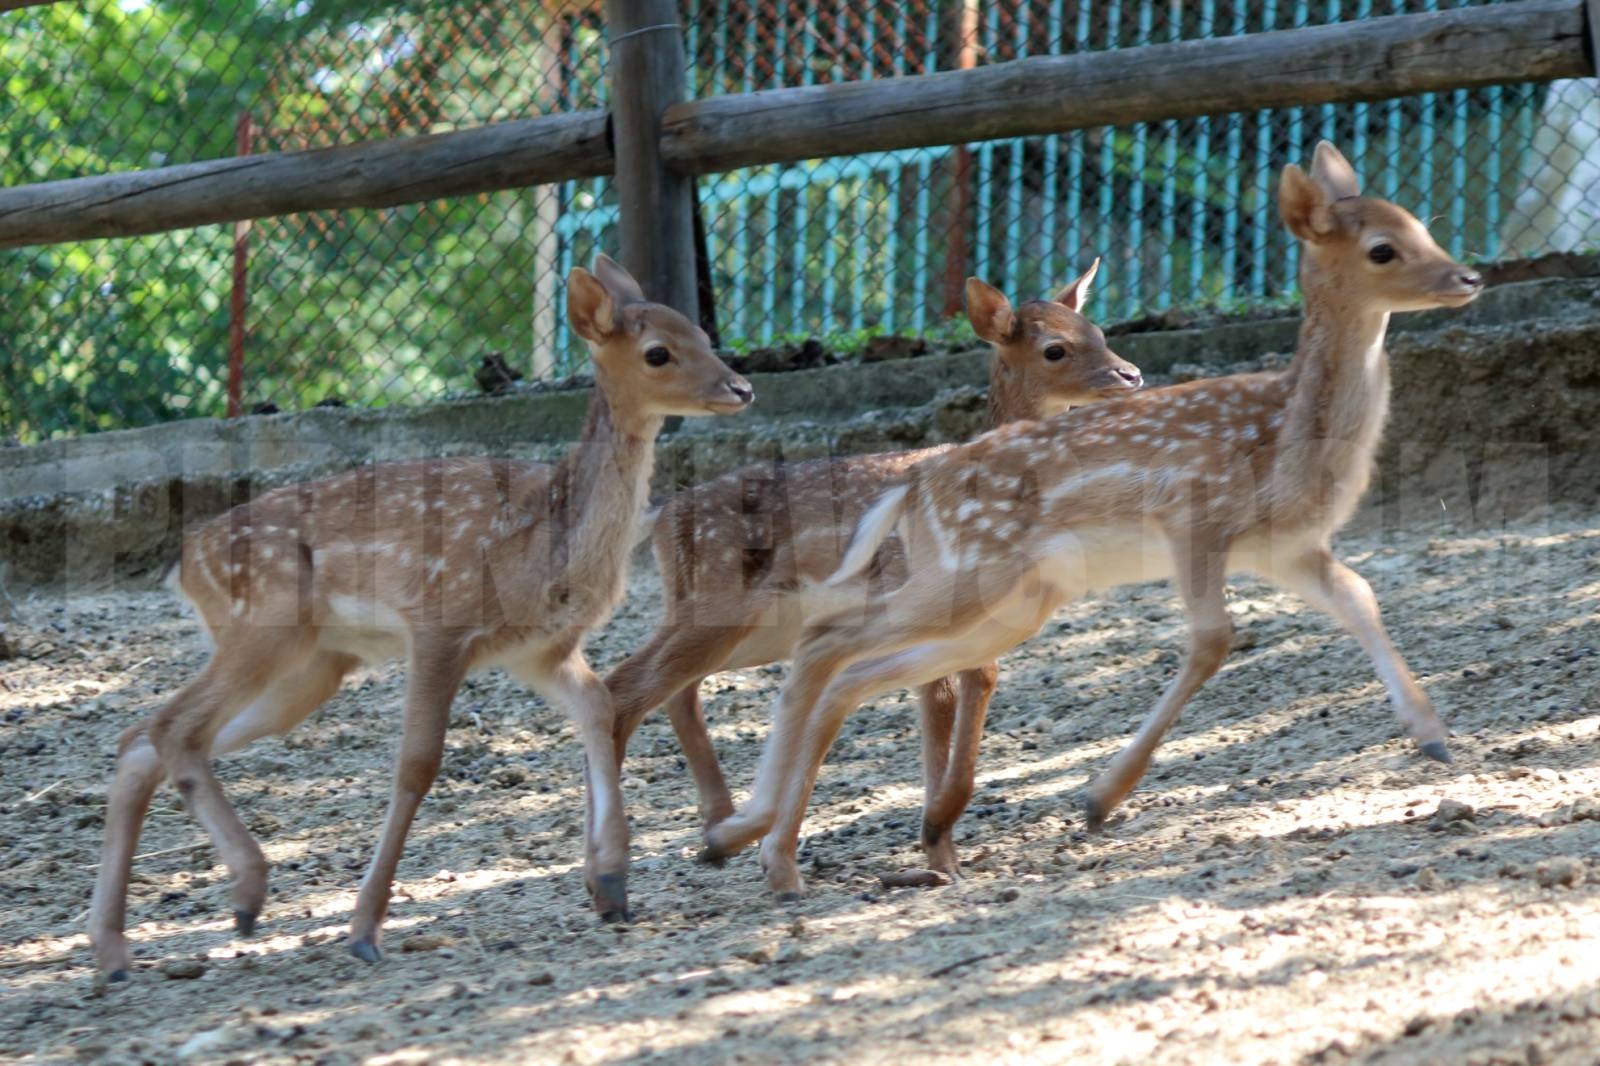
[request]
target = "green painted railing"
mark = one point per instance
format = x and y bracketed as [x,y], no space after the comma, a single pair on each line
[1182,212]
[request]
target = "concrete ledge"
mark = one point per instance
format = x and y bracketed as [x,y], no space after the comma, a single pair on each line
[1493,411]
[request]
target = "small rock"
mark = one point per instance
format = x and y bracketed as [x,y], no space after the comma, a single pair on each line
[1559,873]
[804,356]
[202,1042]
[913,879]
[1428,880]
[1008,895]
[495,376]
[541,978]
[1451,811]
[426,942]
[1586,809]
[182,969]
[879,349]
[508,777]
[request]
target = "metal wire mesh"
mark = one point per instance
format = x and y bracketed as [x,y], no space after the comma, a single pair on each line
[1182,212]
[401,305]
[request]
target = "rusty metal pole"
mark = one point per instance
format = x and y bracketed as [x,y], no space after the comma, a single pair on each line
[240,298]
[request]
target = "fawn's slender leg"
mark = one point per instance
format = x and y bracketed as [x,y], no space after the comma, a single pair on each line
[139,773]
[848,688]
[284,704]
[937,705]
[796,728]
[670,668]
[184,731]
[1333,588]
[838,665]
[574,686]
[688,718]
[951,793]
[1199,572]
[432,678]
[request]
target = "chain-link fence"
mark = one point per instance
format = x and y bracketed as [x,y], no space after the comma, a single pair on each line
[402,305]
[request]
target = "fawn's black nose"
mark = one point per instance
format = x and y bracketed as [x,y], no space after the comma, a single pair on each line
[1132,377]
[1470,279]
[742,390]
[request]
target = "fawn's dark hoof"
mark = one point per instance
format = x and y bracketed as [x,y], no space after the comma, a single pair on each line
[1436,750]
[366,951]
[1095,814]
[244,922]
[116,975]
[790,896]
[609,893]
[712,856]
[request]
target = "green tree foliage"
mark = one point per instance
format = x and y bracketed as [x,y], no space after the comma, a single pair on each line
[367,306]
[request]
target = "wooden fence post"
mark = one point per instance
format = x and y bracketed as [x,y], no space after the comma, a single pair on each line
[656,205]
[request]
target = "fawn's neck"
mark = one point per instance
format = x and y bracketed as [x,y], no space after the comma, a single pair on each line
[598,489]
[1338,397]
[1010,399]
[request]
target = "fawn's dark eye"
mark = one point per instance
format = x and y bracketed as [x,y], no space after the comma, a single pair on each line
[658,356]
[1055,353]
[1381,253]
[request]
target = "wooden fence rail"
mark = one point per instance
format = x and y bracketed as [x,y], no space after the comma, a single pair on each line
[1344,62]
[405,170]
[1374,59]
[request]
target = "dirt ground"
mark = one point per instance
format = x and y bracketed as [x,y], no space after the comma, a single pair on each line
[1280,889]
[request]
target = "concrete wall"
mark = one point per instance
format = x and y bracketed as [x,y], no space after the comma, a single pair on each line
[1495,410]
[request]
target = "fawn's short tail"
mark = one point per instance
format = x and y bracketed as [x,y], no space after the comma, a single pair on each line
[873,529]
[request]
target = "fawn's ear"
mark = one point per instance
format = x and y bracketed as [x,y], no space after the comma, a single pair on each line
[1075,295]
[1331,170]
[1304,206]
[614,276]
[591,309]
[989,311]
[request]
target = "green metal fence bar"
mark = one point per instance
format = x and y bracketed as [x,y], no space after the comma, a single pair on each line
[1049,218]
[1495,99]
[1136,173]
[1231,185]
[1106,239]
[1202,153]
[1077,142]
[1263,170]
[922,295]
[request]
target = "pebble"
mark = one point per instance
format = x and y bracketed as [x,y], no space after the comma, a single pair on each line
[426,942]
[1451,811]
[182,969]
[1559,873]
[202,1042]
